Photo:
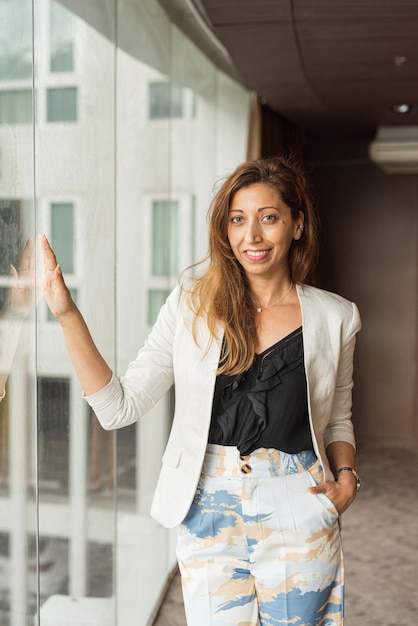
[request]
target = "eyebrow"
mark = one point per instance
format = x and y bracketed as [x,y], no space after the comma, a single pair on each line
[261,208]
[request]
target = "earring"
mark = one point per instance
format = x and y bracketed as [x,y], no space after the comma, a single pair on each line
[300,227]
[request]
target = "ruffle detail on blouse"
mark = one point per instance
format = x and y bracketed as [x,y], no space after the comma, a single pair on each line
[244,414]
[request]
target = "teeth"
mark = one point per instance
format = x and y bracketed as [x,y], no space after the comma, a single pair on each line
[256,253]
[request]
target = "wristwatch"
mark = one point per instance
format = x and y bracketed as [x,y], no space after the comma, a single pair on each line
[353,471]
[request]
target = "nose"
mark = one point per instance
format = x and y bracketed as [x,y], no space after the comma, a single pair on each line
[253,232]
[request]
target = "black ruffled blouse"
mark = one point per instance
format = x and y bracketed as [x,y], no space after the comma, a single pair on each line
[266,406]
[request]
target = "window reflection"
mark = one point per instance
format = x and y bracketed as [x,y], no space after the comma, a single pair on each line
[47,555]
[18,570]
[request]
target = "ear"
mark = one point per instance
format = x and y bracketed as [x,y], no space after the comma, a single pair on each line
[299,226]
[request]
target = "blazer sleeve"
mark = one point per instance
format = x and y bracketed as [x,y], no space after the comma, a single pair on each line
[340,427]
[123,401]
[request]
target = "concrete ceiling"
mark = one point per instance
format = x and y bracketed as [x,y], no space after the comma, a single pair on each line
[331,66]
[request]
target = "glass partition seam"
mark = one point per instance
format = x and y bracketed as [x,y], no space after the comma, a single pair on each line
[35,386]
[170,131]
[115,299]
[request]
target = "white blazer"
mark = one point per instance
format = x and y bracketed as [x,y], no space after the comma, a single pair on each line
[170,355]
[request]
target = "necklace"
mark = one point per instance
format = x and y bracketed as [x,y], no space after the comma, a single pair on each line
[259,309]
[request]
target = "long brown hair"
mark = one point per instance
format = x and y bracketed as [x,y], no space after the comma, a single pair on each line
[221,294]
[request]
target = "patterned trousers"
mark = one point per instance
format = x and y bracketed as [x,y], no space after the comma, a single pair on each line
[257,548]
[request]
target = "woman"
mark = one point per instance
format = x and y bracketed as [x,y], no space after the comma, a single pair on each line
[260,461]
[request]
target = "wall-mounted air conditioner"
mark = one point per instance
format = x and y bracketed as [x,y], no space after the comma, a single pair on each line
[395,149]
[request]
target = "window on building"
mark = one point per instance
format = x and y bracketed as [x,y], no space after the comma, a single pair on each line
[165,100]
[63,241]
[62,104]
[156,299]
[62,39]
[16,106]
[127,458]
[165,238]
[53,398]
[62,233]
[170,247]
[15,40]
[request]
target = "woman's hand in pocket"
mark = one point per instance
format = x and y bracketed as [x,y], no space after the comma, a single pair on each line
[341,493]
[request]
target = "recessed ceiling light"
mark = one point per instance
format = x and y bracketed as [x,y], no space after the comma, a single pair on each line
[400,59]
[402,109]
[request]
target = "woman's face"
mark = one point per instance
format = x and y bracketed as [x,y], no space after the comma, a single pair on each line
[261,230]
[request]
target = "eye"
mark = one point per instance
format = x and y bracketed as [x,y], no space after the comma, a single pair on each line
[269,218]
[236,219]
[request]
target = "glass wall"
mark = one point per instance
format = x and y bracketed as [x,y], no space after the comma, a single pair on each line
[114,129]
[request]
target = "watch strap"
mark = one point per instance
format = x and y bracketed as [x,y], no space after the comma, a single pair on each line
[352,471]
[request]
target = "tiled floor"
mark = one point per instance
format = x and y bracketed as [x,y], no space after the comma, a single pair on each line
[380,534]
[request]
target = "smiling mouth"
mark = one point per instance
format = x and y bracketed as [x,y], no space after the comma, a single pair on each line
[256,255]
